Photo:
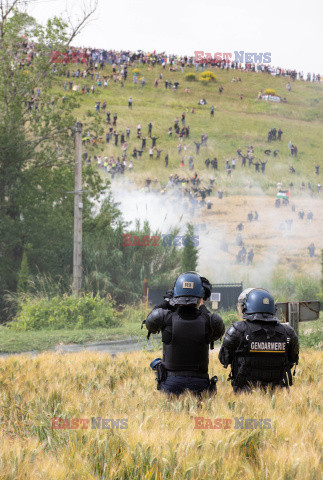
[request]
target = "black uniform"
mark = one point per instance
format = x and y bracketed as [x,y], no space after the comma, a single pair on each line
[261,350]
[187,333]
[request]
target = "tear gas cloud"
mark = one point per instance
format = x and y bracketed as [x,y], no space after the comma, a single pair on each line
[171,210]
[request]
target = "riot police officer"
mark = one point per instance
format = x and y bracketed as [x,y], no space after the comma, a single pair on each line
[188,330]
[260,349]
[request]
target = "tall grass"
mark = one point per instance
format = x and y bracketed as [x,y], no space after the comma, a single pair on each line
[160,441]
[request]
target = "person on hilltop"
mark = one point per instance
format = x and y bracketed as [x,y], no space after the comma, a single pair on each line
[311,250]
[279,134]
[198,145]
[250,256]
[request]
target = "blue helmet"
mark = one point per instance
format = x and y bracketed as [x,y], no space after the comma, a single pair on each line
[257,300]
[188,289]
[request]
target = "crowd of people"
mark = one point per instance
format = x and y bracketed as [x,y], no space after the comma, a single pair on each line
[191,188]
[179,130]
[101,57]
[98,57]
[131,147]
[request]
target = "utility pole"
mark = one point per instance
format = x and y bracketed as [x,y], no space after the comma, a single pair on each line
[78,205]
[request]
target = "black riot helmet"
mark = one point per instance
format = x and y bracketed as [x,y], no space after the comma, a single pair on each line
[189,288]
[257,300]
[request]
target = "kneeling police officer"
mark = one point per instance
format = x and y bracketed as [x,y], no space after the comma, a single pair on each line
[188,330]
[260,349]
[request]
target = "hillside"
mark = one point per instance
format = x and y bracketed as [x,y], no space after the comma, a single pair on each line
[236,123]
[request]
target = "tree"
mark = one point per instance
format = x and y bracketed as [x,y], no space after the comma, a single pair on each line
[111,267]
[23,275]
[37,176]
[36,149]
[190,251]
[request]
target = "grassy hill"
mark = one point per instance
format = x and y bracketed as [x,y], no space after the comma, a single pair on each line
[279,252]
[236,123]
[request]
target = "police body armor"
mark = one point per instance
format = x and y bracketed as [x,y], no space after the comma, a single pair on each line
[186,345]
[261,356]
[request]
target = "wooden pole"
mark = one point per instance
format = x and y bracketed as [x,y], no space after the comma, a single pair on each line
[78,205]
[147,302]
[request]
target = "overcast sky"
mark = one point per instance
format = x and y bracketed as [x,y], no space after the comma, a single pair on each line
[291,30]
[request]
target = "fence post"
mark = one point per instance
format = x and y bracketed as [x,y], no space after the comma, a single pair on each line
[293,315]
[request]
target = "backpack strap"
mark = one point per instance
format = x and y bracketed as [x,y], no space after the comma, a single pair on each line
[236,374]
[167,328]
[207,318]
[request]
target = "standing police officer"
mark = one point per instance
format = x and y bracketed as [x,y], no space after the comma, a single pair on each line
[260,349]
[188,330]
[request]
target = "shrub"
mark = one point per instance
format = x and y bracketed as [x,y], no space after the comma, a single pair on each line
[299,288]
[307,288]
[270,91]
[65,312]
[190,77]
[208,75]
[205,81]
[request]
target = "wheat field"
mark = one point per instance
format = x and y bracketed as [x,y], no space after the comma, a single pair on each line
[160,440]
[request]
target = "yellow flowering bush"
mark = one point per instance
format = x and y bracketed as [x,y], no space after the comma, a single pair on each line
[270,91]
[208,75]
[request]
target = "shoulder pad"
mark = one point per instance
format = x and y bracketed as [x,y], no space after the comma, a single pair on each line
[288,328]
[231,331]
[164,305]
[157,313]
[240,326]
[216,316]
[280,328]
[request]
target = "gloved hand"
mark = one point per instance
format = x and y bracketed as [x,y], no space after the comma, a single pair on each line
[165,303]
[169,294]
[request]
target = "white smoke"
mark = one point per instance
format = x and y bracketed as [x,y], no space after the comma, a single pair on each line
[163,212]
[273,243]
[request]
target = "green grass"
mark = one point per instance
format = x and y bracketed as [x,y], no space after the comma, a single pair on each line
[17,342]
[311,334]
[237,123]
[41,340]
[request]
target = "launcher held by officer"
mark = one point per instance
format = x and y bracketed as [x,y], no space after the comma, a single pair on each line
[188,330]
[260,349]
